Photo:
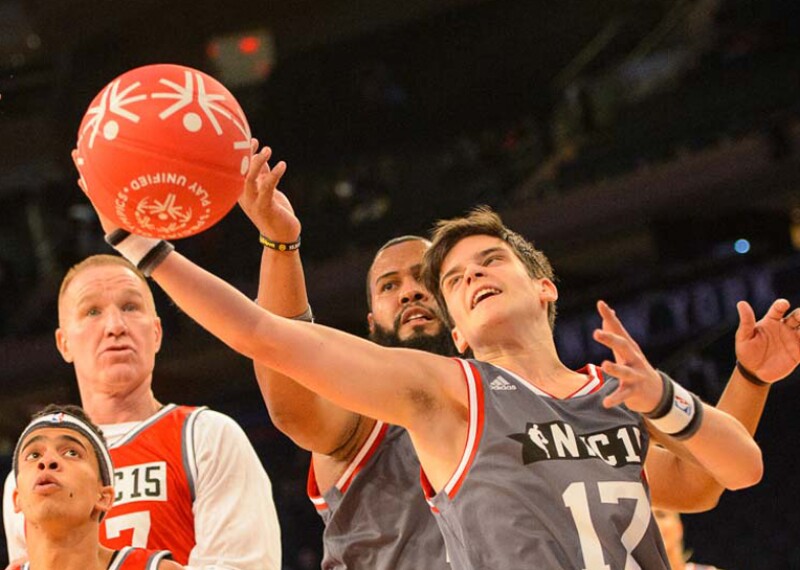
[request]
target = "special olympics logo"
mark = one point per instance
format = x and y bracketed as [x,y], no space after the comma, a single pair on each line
[167,214]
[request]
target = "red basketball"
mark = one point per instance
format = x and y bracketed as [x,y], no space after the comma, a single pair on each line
[163,151]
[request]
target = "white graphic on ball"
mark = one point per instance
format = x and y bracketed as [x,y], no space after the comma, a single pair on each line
[192,122]
[111,130]
[184,95]
[112,101]
[166,210]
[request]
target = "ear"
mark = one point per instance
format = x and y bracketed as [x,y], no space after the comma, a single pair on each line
[104,501]
[15,498]
[458,340]
[371,323]
[548,290]
[159,333]
[63,345]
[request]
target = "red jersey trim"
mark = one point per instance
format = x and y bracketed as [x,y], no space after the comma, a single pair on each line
[593,383]
[312,490]
[368,449]
[474,432]
[376,436]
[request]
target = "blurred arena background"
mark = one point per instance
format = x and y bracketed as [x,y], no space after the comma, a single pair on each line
[650,147]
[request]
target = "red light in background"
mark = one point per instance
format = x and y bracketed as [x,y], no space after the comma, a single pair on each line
[249,44]
[212,50]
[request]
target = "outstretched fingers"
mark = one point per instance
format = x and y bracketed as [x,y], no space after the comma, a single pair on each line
[624,351]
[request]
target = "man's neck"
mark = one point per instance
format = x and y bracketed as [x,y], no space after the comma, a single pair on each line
[115,407]
[538,364]
[74,549]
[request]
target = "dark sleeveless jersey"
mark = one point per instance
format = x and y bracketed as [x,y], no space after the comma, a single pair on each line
[548,483]
[376,516]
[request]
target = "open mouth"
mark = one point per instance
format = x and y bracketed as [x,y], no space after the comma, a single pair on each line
[482,294]
[416,315]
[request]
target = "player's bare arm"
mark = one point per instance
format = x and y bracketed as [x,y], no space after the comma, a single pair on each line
[721,445]
[312,422]
[422,392]
[767,351]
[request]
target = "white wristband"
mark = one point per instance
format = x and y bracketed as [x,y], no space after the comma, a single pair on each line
[144,252]
[680,412]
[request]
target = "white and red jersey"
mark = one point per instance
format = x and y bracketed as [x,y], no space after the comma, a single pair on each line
[154,482]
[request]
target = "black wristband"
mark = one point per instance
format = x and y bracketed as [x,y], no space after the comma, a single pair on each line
[277,245]
[749,376]
[665,404]
[116,237]
[154,257]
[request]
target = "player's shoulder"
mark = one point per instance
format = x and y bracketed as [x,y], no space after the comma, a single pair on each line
[207,419]
[215,429]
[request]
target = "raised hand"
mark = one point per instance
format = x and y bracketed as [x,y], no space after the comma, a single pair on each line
[266,206]
[769,348]
[640,386]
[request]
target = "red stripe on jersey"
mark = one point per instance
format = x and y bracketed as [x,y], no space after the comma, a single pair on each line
[312,490]
[373,447]
[593,375]
[478,418]
[474,433]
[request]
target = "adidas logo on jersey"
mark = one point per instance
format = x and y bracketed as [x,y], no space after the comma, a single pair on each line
[500,383]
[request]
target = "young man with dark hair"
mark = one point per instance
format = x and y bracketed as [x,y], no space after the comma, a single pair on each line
[64,488]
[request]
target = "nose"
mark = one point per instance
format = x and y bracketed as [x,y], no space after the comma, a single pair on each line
[49,461]
[473,272]
[413,291]
[115,323]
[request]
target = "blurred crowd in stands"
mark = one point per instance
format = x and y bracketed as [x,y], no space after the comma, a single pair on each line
[382,160]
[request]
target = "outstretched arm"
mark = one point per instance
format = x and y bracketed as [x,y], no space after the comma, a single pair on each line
[312,422]
[720,445]
[388,384]
[768,350]
[398,386]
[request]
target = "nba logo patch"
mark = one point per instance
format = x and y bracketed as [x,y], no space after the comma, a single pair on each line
[683,405]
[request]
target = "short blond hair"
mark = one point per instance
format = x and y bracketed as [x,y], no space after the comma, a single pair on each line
[102,260]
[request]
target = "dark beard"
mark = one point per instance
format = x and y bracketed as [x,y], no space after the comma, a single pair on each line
[440,343]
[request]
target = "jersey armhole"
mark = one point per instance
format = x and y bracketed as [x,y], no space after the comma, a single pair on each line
[472,378]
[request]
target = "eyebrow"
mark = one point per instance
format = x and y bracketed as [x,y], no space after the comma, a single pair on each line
[386,276]
[414,269]
[67,437]
[91,297]
[481,255]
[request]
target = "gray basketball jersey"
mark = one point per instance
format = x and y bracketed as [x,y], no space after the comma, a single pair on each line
[376,516]
[548,483]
